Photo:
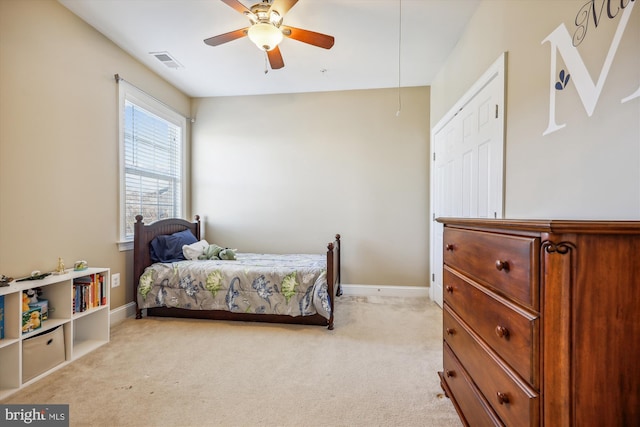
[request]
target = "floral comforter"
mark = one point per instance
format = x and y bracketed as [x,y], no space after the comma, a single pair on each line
[294,285]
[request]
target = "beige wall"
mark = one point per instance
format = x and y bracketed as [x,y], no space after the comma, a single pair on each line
[340,162]
[590,168]
[284,173]
[59,142]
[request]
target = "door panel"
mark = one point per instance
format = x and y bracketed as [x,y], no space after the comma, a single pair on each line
[467,151]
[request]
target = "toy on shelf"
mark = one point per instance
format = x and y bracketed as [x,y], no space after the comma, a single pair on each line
[80,265]
[31,320]
[34,310]
[35,302]
[25,302]
[4,280]
[35,275]
[60,268]
[32,294]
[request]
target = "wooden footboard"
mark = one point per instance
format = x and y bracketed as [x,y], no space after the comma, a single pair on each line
[144,234]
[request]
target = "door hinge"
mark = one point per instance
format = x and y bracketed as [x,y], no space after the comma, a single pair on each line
[433,277]
[496,111]
[434,156]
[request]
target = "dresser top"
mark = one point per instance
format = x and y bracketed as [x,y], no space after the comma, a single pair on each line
[547,225]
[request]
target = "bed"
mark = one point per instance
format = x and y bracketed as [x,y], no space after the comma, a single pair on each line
[275,288]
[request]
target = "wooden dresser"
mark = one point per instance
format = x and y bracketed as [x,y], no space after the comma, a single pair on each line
[541,322]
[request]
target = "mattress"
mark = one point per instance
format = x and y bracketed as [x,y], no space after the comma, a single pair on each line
[287,284]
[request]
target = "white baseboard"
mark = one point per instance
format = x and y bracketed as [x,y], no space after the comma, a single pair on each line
[119,314]
[387,291]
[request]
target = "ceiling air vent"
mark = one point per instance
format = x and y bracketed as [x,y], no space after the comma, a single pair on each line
[167,59]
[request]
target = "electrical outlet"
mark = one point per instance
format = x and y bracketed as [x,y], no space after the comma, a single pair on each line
[115,280]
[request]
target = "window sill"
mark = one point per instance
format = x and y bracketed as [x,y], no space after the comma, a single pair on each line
[125,246]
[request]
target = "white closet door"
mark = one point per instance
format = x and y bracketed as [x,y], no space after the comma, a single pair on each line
[468,172]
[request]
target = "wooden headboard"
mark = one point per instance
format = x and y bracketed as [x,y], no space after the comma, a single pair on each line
[143,234]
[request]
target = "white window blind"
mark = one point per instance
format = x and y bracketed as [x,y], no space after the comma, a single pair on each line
[151,160]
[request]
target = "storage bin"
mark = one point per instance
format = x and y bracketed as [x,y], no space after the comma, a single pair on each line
[42,352]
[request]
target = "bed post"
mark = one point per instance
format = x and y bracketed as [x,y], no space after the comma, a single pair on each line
[333,274]
[139,254]
[330,282]
[338,280]
[198,232]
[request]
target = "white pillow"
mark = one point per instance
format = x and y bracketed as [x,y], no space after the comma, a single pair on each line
[194,250]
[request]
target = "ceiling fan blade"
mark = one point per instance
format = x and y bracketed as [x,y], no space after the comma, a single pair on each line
[226,37]
[237,6]
[282,6]
[275,58]
[309,37]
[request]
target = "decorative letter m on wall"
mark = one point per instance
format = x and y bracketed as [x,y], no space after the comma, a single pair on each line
[589,92]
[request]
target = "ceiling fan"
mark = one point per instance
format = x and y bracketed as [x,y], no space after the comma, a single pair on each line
[266,29]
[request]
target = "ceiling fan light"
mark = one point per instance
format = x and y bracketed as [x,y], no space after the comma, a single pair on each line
[275,18]
[252,17]
[265,36]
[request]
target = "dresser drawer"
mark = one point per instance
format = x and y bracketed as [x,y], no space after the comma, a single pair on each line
[509,330]
[465,395]
[514,401]
[507,263]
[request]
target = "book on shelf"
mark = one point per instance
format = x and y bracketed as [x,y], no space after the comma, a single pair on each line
[103,290]
[88,292]
[1,317]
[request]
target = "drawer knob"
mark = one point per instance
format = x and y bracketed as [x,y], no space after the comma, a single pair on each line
[449,289]
[448,247]
[450,331]
[450,373]
[503,399]
[502,332]
[502,265]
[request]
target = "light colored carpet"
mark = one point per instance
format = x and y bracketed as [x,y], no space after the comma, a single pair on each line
[378,367]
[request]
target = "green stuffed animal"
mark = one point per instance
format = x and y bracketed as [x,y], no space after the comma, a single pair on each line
[227,254]
[211,252]
[218,252]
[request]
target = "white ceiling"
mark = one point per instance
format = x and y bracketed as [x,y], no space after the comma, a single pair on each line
[372,49]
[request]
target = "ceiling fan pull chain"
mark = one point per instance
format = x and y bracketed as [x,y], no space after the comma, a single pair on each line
[266,59]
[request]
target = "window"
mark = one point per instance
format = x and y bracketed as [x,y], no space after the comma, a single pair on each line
[152,171]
